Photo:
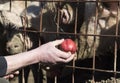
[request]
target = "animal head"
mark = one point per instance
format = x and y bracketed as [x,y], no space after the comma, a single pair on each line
[14,43]
[18,42]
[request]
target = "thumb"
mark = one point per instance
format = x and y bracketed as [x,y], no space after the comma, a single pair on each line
[57,42]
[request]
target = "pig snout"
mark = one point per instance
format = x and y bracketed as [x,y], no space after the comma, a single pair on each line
[13,48]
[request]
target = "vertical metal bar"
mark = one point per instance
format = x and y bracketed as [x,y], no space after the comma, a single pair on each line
[10,5]
[58,23]
[21,78]
[76,16]
[75,31]
[41,14]
[94,47]
[58,17]
[115,49]
[25,24]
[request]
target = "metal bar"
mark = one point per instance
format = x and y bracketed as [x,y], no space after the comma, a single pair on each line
[91,69]
[116,35]
[78,34]
[116,46]
[72,0]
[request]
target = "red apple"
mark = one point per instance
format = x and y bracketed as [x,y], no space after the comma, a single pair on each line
[68,45]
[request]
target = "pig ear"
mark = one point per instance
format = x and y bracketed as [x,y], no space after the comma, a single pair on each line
[9,18]
[28,43]
[67,14]
[20,35]
[26,40]
[104,11]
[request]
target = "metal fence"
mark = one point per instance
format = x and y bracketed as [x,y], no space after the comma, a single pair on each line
[92,24]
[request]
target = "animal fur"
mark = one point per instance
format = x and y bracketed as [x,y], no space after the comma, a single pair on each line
[105,26]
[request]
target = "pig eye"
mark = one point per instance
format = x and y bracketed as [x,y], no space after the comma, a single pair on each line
[16,46]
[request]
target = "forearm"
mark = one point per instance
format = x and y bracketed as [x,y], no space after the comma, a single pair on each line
[47,53]
[18,61]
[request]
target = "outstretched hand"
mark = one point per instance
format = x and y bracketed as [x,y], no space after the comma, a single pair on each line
[49,53]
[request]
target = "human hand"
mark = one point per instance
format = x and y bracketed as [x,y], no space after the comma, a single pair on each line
[12,75]
[50,54]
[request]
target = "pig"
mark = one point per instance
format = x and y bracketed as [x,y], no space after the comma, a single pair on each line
[11,18]
[85,25]
[18,42]
[90,43]
[105,25]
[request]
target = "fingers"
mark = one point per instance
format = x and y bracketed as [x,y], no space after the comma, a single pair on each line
[16,73]
[65,55]
[67,59]
[70,58]
[57,42]
[10,76]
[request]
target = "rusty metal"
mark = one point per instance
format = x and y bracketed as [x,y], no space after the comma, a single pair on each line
[76,34]
[93,69]
[71,0]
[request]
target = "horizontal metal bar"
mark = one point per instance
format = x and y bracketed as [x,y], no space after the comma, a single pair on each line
[71,0]
[91,69]
[74,34]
